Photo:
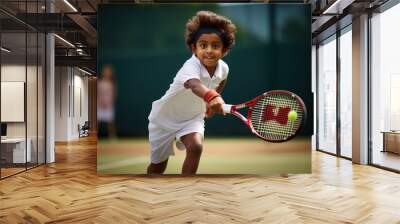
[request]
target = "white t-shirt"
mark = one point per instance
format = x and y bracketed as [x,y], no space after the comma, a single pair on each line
[179,106]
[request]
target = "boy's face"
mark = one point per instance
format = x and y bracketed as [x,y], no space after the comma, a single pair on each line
[209,49]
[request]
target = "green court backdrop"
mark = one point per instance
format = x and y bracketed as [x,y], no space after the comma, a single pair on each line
[145,45]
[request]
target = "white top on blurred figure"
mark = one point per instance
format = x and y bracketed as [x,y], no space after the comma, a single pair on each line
[105,95]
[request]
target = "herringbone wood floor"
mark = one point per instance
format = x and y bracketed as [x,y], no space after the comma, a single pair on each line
[70,191]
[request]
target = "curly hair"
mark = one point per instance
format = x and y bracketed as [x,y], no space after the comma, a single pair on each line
[210,19]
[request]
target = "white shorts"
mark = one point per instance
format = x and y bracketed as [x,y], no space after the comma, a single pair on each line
[161,140]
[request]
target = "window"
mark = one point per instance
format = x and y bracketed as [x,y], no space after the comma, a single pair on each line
[22,77]
[346,92]
[385,88]
[327,96]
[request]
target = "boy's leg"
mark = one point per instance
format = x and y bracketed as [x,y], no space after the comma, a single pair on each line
[157,168]
[194,146]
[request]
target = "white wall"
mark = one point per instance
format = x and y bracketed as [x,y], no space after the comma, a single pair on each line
[80,110]
[33,126]
[61,103]
[13,73]
[16,73]
[12,101]
[71,94]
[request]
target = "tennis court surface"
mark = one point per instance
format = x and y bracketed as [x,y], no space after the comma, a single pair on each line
[220,156]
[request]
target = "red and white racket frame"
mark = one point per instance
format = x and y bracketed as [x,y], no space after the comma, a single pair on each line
[232,109]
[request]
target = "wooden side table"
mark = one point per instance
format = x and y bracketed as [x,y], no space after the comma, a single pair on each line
[391,141]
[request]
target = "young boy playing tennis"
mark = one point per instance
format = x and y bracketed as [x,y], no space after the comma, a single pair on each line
[193,94]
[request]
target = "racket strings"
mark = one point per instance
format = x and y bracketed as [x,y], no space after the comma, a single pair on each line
[269,116]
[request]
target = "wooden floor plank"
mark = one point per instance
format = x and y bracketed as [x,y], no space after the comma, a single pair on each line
[70,191]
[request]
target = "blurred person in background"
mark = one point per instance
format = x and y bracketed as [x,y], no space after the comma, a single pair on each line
[106,95]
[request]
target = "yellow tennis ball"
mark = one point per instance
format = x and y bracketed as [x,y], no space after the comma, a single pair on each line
[292,115]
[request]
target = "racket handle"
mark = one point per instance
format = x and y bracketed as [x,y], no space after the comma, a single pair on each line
[227,108]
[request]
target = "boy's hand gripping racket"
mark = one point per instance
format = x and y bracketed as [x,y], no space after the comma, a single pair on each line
[270,116]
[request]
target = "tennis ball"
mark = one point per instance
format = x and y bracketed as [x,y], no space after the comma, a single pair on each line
[292,115]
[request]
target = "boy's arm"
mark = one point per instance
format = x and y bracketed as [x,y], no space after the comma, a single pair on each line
[200,90]
[197,87]
[209,112]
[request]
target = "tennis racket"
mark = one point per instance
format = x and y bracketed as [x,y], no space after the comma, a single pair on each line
[267,115]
